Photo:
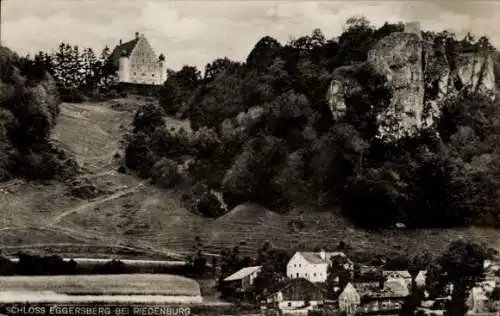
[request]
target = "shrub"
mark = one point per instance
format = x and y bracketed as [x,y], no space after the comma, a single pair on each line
[165,173]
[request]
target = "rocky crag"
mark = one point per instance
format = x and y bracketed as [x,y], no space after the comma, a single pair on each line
[419,76]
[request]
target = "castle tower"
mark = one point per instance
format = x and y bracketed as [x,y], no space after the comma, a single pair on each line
[414,28]
[163,69]
[123,68]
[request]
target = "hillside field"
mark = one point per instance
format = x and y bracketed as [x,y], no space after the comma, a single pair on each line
[131,217]
[134,284]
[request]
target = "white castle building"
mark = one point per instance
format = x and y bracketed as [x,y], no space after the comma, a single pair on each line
[137,62]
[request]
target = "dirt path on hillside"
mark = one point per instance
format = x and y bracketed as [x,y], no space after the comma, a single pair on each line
[92,204]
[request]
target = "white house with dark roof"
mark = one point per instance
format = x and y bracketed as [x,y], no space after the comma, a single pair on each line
[313,266]
[137,62]
[244,277]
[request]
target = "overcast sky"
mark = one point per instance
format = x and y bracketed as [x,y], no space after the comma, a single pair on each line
[196,32]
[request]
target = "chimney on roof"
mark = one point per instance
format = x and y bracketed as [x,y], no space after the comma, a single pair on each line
[322,254]
[136,34]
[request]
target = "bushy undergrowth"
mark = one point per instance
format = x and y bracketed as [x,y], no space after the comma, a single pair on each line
[29,106]
[263,132]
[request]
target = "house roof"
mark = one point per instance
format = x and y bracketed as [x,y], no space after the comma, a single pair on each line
[315,257]
[367,289]
[368,269]
[242,273]
[124,49]
[371,290]
[299,289]
[395,274]
[395,288]
[422,274]
[350,288]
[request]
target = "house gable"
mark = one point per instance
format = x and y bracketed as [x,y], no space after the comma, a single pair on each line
[300,267]
[349,299]
[142,53]
[138,63]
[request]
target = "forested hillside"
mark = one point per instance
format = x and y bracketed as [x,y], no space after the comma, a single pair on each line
[29,106]
[263,132]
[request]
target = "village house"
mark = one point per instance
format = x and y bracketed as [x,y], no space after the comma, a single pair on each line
[349,300]
[487,285]
[491,272]
[137,62]
[477,302]
[296,294]
[484,298]
[434,307]
[313,266]
[244,278]
[421,278]
[369,297]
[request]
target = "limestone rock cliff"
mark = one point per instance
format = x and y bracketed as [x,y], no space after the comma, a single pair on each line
[398,57]
[437,75]
[342,86]
[419,75]
[475,71]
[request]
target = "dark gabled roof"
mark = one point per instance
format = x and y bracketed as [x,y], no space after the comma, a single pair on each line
[367,289]
[315,257]
[396,274]
[300,287]
[124,49]
[372,290]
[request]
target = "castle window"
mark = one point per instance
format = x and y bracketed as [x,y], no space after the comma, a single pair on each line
[134,73]
[152,75]
[143,74]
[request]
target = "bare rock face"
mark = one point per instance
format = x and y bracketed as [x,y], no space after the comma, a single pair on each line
[398,57]
[475,72]
[343,85]
[437,75]
[420,77]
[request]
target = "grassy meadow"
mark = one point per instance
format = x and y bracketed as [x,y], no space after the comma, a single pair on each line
[132,284]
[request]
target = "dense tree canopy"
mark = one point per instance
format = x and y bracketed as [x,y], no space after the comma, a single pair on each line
[274,140]
[29,105]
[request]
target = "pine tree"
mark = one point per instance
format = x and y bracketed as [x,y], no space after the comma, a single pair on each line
[91,67]
[62,65]
[77,69]
[107,76]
